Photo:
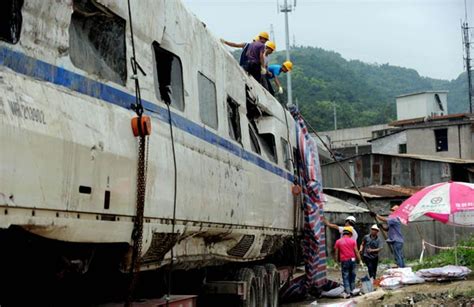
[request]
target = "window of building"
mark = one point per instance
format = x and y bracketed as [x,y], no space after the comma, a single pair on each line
[10,20]
[97,41]
[268,145]
[254,140]
[402,148]
[441,139]
[207,101]
[170,77]
[233,118]
[286,154]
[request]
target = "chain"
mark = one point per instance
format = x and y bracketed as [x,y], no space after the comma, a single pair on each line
[137,234]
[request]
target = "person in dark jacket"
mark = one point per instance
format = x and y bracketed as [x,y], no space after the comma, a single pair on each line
[369,249]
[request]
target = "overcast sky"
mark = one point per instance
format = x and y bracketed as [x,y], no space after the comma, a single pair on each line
[420,34]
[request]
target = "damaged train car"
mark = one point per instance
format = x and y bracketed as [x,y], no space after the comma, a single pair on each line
[68,156]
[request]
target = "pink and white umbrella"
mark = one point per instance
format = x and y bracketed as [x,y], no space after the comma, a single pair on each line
[448,202]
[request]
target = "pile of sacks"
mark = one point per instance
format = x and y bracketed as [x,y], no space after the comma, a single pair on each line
[396,278]
[448,272]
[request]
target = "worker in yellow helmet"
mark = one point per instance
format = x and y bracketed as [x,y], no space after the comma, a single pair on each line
[274,71]
[261,37]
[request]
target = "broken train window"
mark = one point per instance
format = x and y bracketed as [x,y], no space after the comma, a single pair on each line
[97,41]
[170,77]
[207,101]
[254,140]
[234,119]
[10,20]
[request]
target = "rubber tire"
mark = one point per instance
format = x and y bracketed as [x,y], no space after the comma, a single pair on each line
[247,275]
[273,282]
[262,285]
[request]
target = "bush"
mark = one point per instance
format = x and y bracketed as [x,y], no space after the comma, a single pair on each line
[445,257]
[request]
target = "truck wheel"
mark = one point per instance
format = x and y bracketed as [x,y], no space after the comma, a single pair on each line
[251,294]
[262,285]
[273,279]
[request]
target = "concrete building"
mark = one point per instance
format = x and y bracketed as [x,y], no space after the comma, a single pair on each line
[422,104]
[351,141]
[403,170]
[450,136]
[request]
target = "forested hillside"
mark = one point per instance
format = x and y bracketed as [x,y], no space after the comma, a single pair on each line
[364,93]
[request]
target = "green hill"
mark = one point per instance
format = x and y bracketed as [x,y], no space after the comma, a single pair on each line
[364,93]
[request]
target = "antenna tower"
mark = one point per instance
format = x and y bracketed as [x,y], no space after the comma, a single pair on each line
[288,8]
[467,57]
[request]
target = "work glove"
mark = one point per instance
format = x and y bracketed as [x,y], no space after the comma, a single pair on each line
[372,214]
[263,71]
[280,90]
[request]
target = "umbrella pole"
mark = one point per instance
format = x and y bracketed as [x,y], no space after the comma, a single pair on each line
[455,242]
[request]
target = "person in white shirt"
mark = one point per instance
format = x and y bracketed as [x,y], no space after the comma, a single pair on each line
[350,221]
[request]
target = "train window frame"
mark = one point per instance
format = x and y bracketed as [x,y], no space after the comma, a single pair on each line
[97,33]
[286,156]
[169,85]
[11,21]
[254,144]
[207,102]
[233,117]
[268,143]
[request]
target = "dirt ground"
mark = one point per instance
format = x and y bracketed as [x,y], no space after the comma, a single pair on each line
[456,293]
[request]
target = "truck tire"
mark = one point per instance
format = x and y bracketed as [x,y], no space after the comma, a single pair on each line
[251,295]
[262,285]
[273,278]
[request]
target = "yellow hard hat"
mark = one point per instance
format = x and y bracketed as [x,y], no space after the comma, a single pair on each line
[288,65]
[270,45]
[348,229]
[256,38]
[264,35]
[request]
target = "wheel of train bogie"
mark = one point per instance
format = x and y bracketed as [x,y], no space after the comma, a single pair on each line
[262,285]
[251,295]
[273,278]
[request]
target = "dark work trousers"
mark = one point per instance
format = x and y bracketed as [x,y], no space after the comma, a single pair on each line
[255,70]
[268,85]
[372,264]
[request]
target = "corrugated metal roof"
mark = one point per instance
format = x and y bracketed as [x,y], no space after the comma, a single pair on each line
[381,191]
[413,156]
[334,204]
[434,118]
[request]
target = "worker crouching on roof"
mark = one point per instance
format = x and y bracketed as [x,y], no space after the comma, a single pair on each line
[243,56]
[256,53]
[370,248]
[346,252]
[273,72]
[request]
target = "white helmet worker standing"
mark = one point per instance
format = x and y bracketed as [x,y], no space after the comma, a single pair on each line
[348,222]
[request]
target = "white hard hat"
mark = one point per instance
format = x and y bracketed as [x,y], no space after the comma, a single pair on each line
[350,218]
[375,227]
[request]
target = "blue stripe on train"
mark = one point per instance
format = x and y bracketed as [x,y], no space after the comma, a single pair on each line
[40,70]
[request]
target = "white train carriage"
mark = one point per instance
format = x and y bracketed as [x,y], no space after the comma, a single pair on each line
[68,157]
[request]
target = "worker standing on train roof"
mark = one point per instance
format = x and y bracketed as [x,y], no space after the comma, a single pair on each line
[255,64]
[273,72]
[262,37]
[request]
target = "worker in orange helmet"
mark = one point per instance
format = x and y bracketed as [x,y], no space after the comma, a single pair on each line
[261,37]
[273,72]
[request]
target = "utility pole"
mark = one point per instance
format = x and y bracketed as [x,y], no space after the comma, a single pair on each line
[288,8]
[272,33]
[467,50]
[335,114]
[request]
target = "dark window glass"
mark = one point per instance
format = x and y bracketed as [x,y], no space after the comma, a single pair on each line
[441,139]
[170,77]
[97,41]
[285,149]
[10,20]
[254,140]
[234,119]
[402,148]
[207,101]
[269,147]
